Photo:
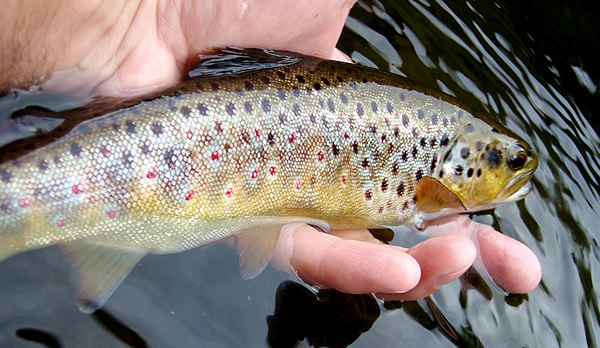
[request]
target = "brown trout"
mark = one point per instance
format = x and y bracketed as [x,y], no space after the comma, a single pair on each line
[272,138]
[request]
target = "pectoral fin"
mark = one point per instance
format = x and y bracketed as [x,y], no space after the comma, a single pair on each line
[432,196]
[100,269]
[255,248]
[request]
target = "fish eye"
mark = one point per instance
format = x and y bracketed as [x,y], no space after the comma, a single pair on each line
[518,158]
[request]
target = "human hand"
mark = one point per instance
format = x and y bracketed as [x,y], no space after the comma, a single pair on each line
[129,48]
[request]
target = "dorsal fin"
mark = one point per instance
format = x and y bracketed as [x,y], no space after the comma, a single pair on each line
[432,196]
[234,61]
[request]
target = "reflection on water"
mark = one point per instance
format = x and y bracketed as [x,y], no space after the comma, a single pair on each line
[532,67]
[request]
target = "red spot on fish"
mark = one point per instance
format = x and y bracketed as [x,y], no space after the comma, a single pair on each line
[258,133]
[344,179]
[189,134]
[60,222]
[152,173]
[78,188]
[189,195]
[106,150]
[254,174]
[111,214]
[24,202]
[216,155]
[292,138]
[299,184]
[229,192]
[346,136]
[273,170]
[320,156]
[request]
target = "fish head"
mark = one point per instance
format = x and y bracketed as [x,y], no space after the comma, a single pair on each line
[485,166]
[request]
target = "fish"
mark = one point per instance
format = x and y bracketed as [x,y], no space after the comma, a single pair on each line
[253,140]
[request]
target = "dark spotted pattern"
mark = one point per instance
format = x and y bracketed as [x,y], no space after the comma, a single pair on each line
[384,185]
[419,175]
[458,170]
[76,150]
[444,141]
[317,86]
[335,150]
[389,107]
[131,127]
[281,94]
[355,147]
[186,111]
[359,110]
[400,189]
[300,78]
[464,152]
[248,107]
[214,86]
[405,120]
[368,195]
[271,138]
[374,106]
[266,105]
[420,114]
[434,119]
[494,157]
[248,86]
[395,168]
[157,128]
[331,105]
[230,109]
[5,176]
[365,163]
[470,172]
[343,98]
[283,118]
[404,156]
[202,109]
[127,158]
[43,165]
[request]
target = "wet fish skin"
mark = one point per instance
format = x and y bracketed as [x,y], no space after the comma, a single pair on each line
[312,141]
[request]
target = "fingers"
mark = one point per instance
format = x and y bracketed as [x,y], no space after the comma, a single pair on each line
[442,259]
[349,266]
[512,265]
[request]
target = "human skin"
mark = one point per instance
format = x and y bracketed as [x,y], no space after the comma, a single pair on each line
[123,47]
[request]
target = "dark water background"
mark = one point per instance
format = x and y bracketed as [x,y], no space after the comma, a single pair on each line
[532,65]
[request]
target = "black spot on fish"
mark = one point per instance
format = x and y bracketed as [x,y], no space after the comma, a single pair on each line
[405,156]
[248,86]
[281,75]
[84,128]
[478,145]
[248,107]
[494,130]
[415,151]
[5,175]
[339,78]
[479,172]
[396,132]
[331,105]
[343,98]
[433,142]
[218,127]
[202,109]
[383,138]
[433,162]
[57,159]
[374,106]
[281,94]
[312,118]
[365,162]
[469,128]
[300,78]
[421,114]
[282,118]
[441,173]
[214,86]
[325,81]
[458,170]
[265,80]
[423,142]
[230,109]
[389,107]
[464,152]
[445,122]
[355,147]
[452,120]
[127,158]
[444,141]
[271,138]
[368,195]
[359,110]
[353,85]
[395,168]
[384,185]
[400,189]
[116,126]
[405,120]
[419,175]
[296,109]
[380,210]
[296,91]
[434,119]
[239,92]
[317,86]
[186,111]
[131,127]
[402,96]
[43,165]
[157,128]
[448,157]
[171,104]
[494,157]
[171,159]
[266,105]
[415,133]
[470,172]
[325,122]
[335,149]
[75,150]
[145,149]
[373,129]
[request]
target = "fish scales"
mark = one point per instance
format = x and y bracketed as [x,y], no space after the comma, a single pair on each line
[167,174]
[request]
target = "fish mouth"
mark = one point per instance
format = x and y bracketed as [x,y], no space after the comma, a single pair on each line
[526,187]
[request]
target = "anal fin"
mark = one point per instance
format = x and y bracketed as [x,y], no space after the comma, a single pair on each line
[100,269]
